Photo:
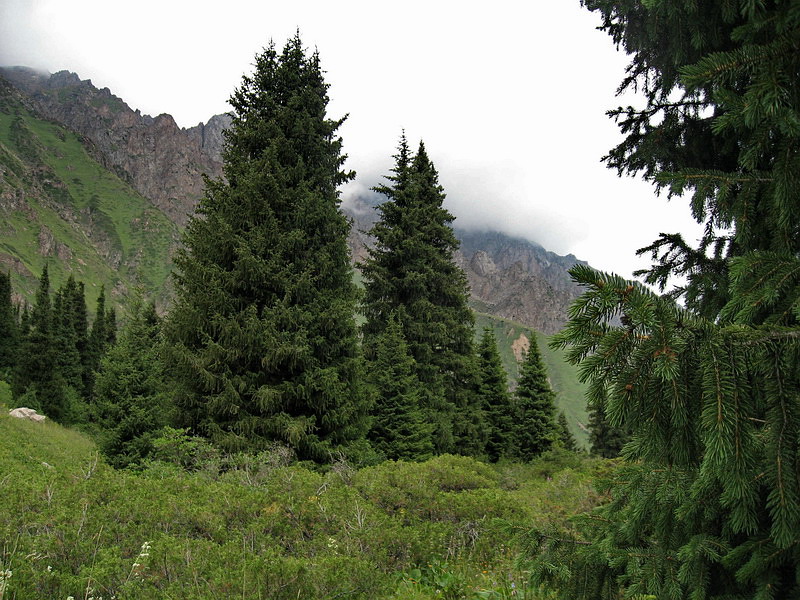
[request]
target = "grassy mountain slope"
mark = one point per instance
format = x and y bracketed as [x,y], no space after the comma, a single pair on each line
[61,207]
[72,526]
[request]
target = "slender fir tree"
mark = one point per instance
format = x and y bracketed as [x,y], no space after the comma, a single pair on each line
[399,430]
[605,440]
[99,338]
[66,330]
[536,427]
[709,504]
[411,271]
[131,400]
[565,437]
[8,328]
[262,337]
[497,405]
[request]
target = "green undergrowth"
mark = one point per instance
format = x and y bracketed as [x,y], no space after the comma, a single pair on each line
[261,527]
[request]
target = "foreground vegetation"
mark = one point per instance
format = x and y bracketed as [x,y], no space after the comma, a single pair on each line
[195,524]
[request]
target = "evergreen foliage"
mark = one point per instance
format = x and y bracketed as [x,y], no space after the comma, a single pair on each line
[497,405]
[102,334]
[69,315]
[605,440]
[399,430]
[8,328]
[131,400]
[709,505]
[565,437]
[262,336]
[36,376]
[536,427]
[411,272]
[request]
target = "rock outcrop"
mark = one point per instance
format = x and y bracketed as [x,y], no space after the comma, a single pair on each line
[26,413]
[509,277]
[161,161]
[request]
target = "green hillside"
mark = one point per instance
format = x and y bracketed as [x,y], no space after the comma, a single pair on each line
[260,527]
[61,207]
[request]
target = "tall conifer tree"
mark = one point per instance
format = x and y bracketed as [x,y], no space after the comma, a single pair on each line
[399,429]
[262,336]
[536,428]
[8,328]
[411,272]
[131,400]
[565,437]
[102,334]
[66,328]
[36,374]
[497,405]
[605,439]
[709,504]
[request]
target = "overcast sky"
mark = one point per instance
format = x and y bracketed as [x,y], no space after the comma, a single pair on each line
[510,98]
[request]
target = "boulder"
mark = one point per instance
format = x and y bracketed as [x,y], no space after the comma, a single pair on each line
[26,413]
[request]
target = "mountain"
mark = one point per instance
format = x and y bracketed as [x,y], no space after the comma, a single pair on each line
[509,277]
[161,161]
[60,205]
[96,189]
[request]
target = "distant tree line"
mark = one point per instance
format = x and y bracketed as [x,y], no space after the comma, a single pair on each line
[261,345]
[48,352]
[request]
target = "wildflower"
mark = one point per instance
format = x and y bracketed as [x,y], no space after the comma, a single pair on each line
[49,569]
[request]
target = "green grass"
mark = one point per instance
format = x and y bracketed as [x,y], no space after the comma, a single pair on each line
[446,528]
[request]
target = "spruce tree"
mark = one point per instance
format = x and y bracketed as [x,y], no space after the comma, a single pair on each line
[605,440]
[97,342]
[8,328]
[536,428]
[565,437]
[708,505]
[497,405]
[36,376]
[66,329]
[262,336]
[411,271]
[131,400]
[399,430]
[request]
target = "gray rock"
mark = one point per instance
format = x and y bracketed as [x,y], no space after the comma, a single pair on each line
[26,413]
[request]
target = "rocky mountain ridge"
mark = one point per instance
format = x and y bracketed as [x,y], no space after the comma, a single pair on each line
[510,277]
[61,207]
[162,162]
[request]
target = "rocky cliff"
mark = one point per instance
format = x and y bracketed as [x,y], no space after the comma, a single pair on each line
[59,206]
[509,277]
[161,161]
